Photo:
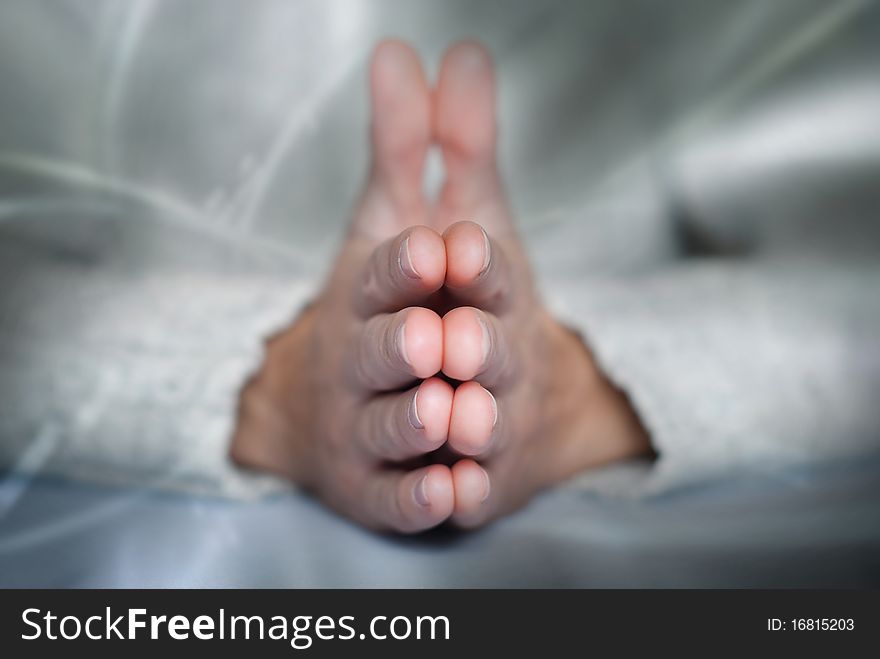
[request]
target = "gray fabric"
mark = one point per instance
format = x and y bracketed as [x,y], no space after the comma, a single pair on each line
[803,527]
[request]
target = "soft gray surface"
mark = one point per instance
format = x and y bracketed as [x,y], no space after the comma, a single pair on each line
[144,144]
[800,529]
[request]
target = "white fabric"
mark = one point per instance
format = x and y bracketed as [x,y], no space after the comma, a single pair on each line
[737,366]
[134,379]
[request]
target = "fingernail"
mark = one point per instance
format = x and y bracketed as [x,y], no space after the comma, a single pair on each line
[401,342]
[494,408]
[487,340]
[414,419]
[420,492]
[404,259]
[488,486]
[487,251]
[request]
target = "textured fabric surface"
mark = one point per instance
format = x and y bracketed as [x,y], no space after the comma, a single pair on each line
[132,378]
[739,365]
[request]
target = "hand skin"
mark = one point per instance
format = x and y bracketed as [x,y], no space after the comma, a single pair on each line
[427,383]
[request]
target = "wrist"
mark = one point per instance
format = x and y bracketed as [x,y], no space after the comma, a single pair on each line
[595,421]
[274,406]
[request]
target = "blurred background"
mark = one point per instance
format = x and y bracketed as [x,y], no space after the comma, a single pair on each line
[225,137]
[248,122]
